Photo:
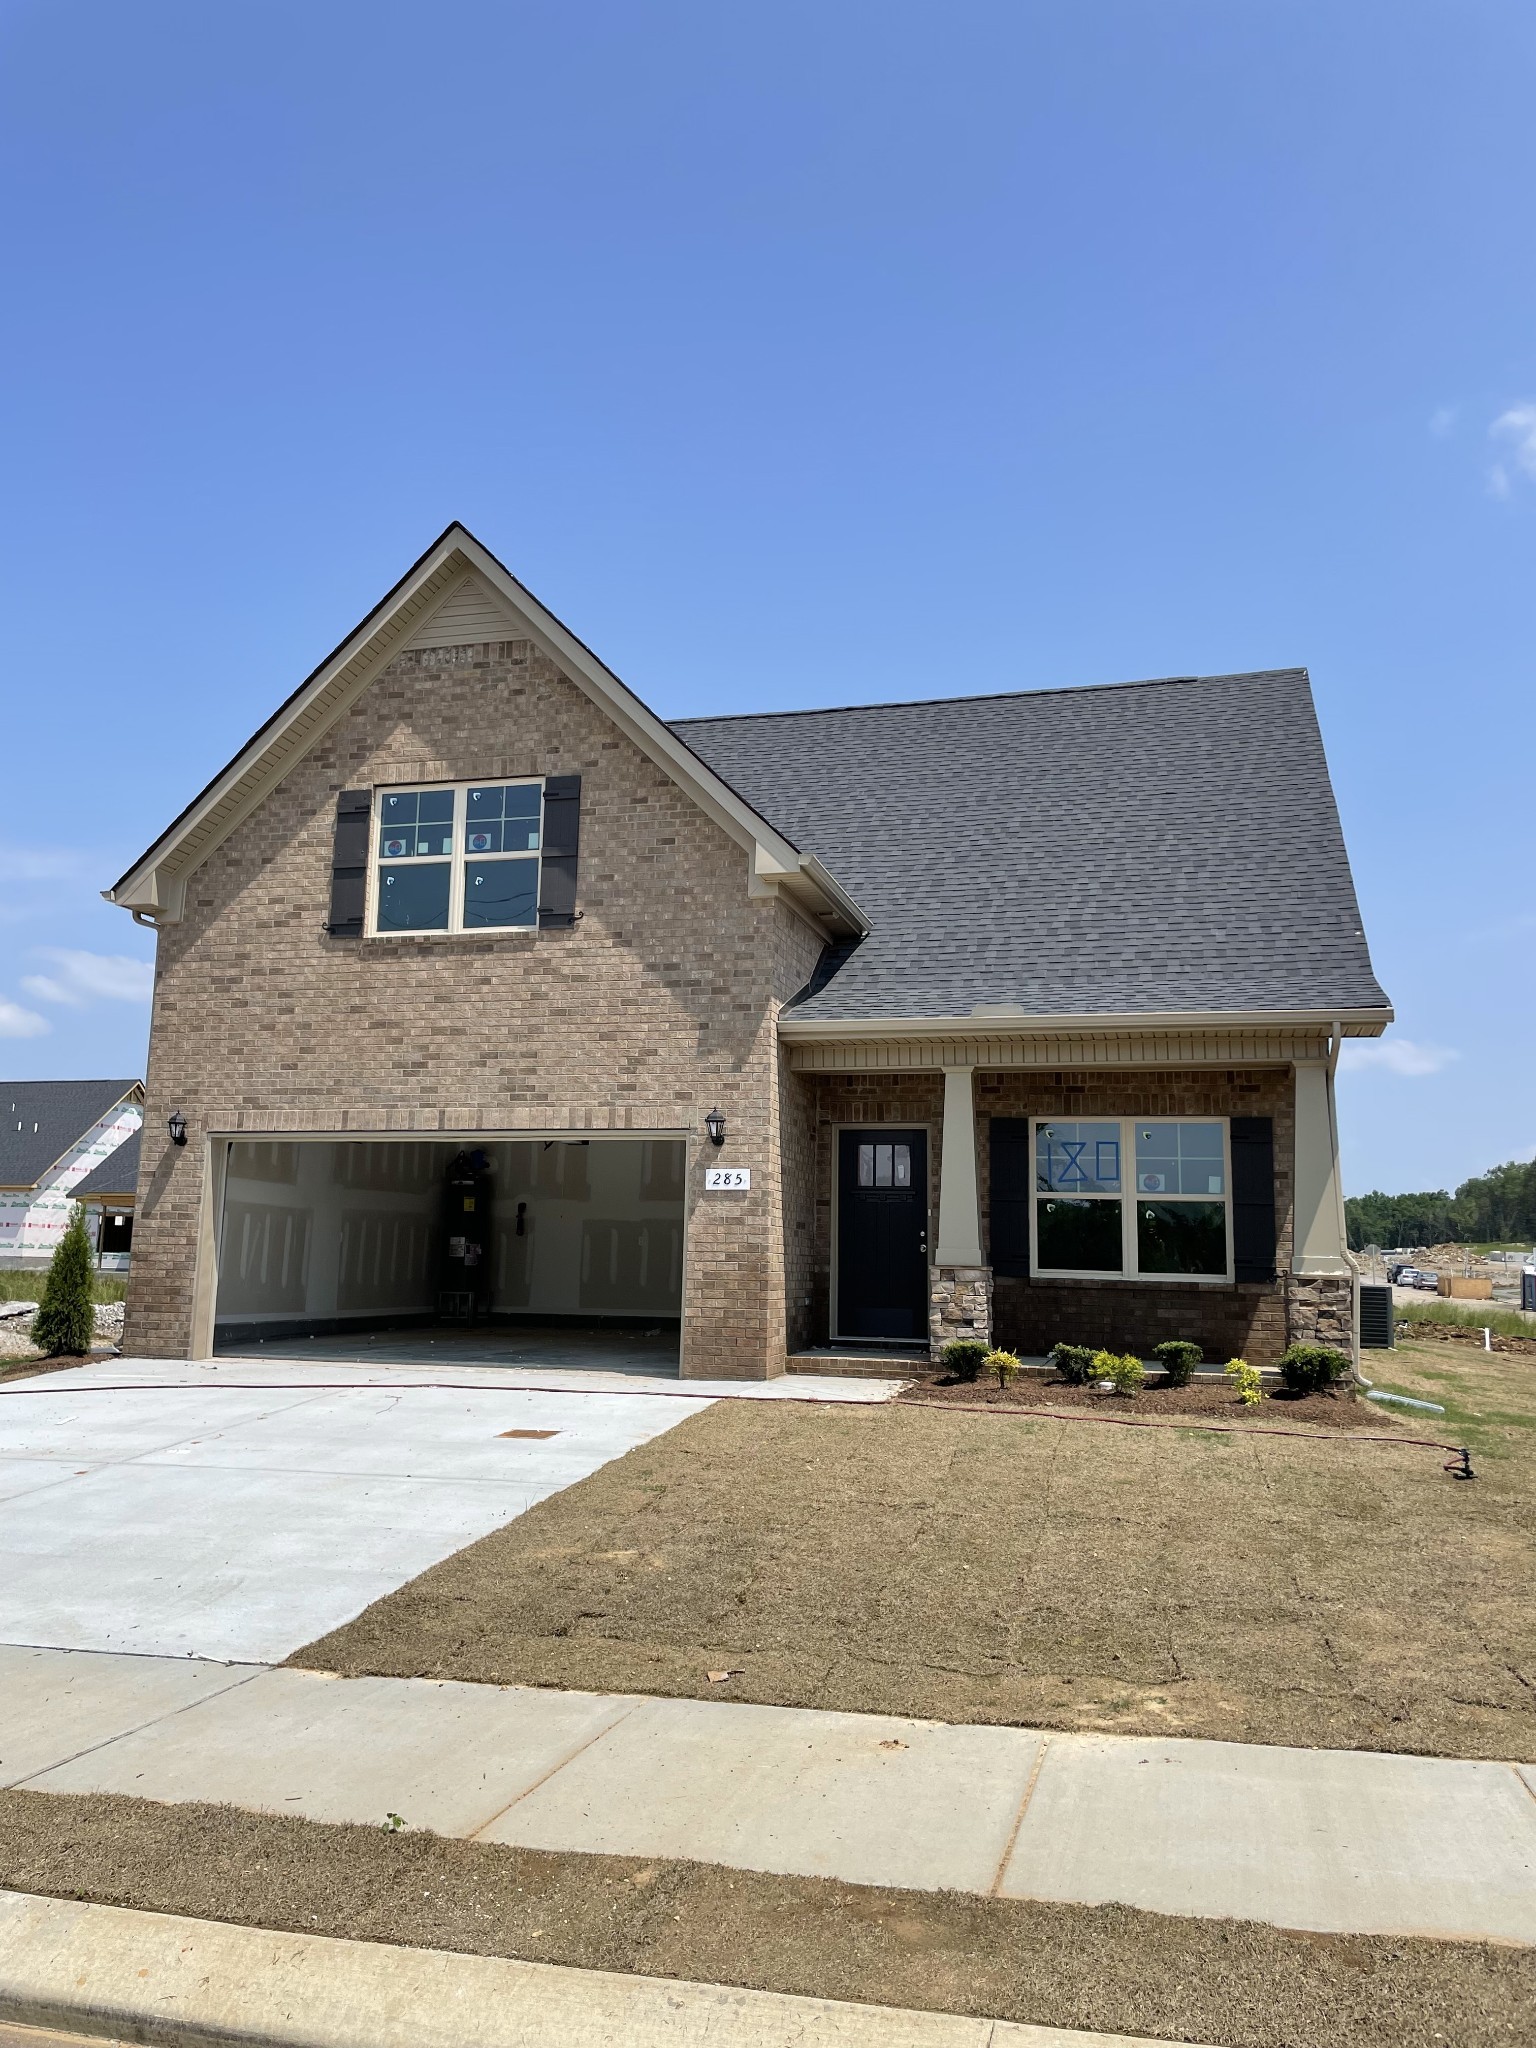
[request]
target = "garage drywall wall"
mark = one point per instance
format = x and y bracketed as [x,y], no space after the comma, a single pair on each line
[327,1231]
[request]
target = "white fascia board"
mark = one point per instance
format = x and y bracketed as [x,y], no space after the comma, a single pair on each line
[157,888]
[997,1023]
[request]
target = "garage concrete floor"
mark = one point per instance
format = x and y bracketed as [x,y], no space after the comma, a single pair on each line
[567,1347]
[239,1508]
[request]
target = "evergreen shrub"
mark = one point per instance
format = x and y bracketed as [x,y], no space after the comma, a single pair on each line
[65,1323]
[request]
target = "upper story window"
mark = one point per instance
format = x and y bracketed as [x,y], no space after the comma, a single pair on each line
[1135,1198]
[461,858]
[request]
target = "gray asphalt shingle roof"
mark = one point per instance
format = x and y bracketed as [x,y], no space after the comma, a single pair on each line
[118,1173]
[1160,846]
[41,1120]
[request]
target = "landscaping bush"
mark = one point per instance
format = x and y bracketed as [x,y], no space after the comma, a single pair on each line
[1312,1368]
[1126,1374]
[1246,1383]
[1006,1364]
[964,1358]
[65,1323]
[1178,1358]
[1074,1362]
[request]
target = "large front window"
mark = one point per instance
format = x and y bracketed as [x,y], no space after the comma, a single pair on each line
[458,859]
[1118,1196]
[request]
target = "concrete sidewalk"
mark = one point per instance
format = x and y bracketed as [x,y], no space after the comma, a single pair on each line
[197,1983]
[1325,1840]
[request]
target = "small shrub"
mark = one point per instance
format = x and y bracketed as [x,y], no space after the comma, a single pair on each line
[1126,1374]
[1246,1383]
[65,1323]
[1313,1368]
[1006,1364]
[964,1358]
[1074,1363]
[1178,1358]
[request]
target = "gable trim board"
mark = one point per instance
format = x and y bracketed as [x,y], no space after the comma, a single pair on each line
[154,888]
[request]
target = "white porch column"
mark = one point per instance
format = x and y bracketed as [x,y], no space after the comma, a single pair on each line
[959,1200]
[1318,1223]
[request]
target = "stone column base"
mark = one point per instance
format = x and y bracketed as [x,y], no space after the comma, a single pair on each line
[959,1305]
[1320,1309]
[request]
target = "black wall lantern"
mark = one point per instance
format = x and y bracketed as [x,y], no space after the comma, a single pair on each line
[714,1123]
[176,1124]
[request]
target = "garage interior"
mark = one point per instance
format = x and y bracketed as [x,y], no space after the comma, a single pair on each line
[557,1251]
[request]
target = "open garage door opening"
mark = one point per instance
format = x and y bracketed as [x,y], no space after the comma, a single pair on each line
[411,1249]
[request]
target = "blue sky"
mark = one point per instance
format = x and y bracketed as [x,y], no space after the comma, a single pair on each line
[816,354]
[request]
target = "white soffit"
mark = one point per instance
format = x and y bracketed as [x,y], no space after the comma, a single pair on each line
[470,613]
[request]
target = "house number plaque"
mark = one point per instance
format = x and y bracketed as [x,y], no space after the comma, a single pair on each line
[727,1177]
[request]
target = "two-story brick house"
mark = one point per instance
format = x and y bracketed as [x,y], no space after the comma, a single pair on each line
[476,980]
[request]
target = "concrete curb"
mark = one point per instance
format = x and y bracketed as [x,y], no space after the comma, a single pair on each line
[158,1978]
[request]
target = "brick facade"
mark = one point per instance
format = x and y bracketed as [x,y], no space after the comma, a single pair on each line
[1030,1315]
[1228,1321]
[658,1004]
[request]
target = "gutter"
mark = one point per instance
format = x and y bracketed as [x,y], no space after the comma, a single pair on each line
[989,1021]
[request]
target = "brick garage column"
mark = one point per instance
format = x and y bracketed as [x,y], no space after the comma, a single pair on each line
[960,1282]
[1320,1288]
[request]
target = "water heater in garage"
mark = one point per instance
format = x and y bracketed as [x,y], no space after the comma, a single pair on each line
[464,1268]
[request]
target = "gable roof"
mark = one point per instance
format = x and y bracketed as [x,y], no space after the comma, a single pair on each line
[1163,849]
[118,1173]
[40,1121]
[461,578]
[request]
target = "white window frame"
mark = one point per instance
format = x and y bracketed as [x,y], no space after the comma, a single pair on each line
[456,860]
[1128,1198]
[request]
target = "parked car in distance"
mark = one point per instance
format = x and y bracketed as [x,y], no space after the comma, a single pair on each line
[1415,1276]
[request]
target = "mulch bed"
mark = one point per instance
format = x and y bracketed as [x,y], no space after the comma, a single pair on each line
[1109,1968]
[1200,1401]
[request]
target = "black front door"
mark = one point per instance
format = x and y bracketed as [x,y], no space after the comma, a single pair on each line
[882,1235]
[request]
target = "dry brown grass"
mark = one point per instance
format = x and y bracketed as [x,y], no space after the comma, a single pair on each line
[1318,1590]
[1102,1967]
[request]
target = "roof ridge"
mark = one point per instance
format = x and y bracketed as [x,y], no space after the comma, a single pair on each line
[1247,675]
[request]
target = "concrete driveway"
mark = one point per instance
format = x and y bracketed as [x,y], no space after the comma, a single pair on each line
[238,1509]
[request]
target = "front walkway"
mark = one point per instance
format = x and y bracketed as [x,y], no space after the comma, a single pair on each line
[1327,1840]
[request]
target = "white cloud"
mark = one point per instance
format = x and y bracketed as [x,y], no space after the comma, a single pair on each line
[1442,420]
[1395,1056]
[15,1022]
[79,978]
[1517,426]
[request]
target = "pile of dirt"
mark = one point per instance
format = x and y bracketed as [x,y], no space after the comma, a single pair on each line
[1200,1401]
[1427,1330]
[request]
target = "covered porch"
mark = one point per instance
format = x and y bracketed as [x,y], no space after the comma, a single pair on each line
[1102,1184]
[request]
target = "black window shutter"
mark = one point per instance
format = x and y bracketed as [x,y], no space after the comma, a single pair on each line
[562,843]
[1010,1197]
[349,864]
[1253,1197]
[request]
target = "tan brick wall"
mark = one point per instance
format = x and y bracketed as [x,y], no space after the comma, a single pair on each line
[658,1004]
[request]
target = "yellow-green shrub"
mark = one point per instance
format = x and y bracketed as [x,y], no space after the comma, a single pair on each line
[1126,1374]
[1246,1383]
[1006,1364]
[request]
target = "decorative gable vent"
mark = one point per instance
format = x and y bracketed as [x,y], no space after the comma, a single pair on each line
[471,612]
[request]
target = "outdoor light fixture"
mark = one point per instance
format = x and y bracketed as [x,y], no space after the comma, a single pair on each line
[176,1124]
[714,1123]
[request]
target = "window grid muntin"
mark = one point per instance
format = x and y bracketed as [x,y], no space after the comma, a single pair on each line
[1128,1197]
[457,859]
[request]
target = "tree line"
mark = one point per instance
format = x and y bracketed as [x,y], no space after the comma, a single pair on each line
[1493,1206]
